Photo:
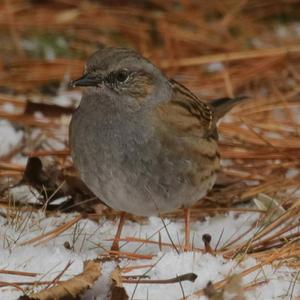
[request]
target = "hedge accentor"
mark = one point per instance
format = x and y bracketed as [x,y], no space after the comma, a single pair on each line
[142,143]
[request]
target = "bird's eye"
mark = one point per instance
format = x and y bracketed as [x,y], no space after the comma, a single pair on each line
[122,75]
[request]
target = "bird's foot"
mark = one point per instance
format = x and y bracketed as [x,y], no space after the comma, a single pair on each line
[115,246]
[187,247]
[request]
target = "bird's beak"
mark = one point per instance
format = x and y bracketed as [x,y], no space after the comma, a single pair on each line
[86,80]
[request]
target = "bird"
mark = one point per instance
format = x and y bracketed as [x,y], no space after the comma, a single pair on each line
[142,143]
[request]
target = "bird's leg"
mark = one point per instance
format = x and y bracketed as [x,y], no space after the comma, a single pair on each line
[115,244]
[187,214]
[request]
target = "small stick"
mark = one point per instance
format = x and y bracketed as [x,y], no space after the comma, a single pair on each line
[56,279]
[131,268]
[254,285]
[145,241]
[15,284]
[130,255]
[159,242]
[19,273]
[185,277]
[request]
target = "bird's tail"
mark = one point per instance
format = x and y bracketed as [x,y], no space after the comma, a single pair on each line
[224,105]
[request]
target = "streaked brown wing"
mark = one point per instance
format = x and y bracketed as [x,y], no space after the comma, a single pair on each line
[185,113]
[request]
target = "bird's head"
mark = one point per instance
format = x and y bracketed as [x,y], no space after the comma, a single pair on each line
[123,74]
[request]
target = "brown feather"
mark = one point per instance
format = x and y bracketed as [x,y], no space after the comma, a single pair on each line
[223,105]
[185,113]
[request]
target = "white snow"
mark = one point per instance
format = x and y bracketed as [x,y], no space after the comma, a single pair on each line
[215,67]
[88,239]
[9,137]
[291,173]
[67,97]
[24,194]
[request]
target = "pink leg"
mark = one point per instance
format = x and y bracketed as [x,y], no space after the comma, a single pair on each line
[187,245]
[115,244]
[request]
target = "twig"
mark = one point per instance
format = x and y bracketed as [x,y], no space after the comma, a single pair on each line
[206,59]
[185,277]
[19,273]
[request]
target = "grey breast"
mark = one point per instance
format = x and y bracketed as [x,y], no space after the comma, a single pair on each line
[122,161]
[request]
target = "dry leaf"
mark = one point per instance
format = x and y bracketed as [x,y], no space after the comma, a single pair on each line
[117,290]
[233,290]
[211,293]
[72,288]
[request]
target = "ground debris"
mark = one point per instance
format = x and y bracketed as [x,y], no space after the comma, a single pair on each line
[71,289]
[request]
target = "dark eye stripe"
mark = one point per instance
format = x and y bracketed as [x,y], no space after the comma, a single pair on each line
[110,78]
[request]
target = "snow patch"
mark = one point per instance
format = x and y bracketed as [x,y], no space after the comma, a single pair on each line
[9,137]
